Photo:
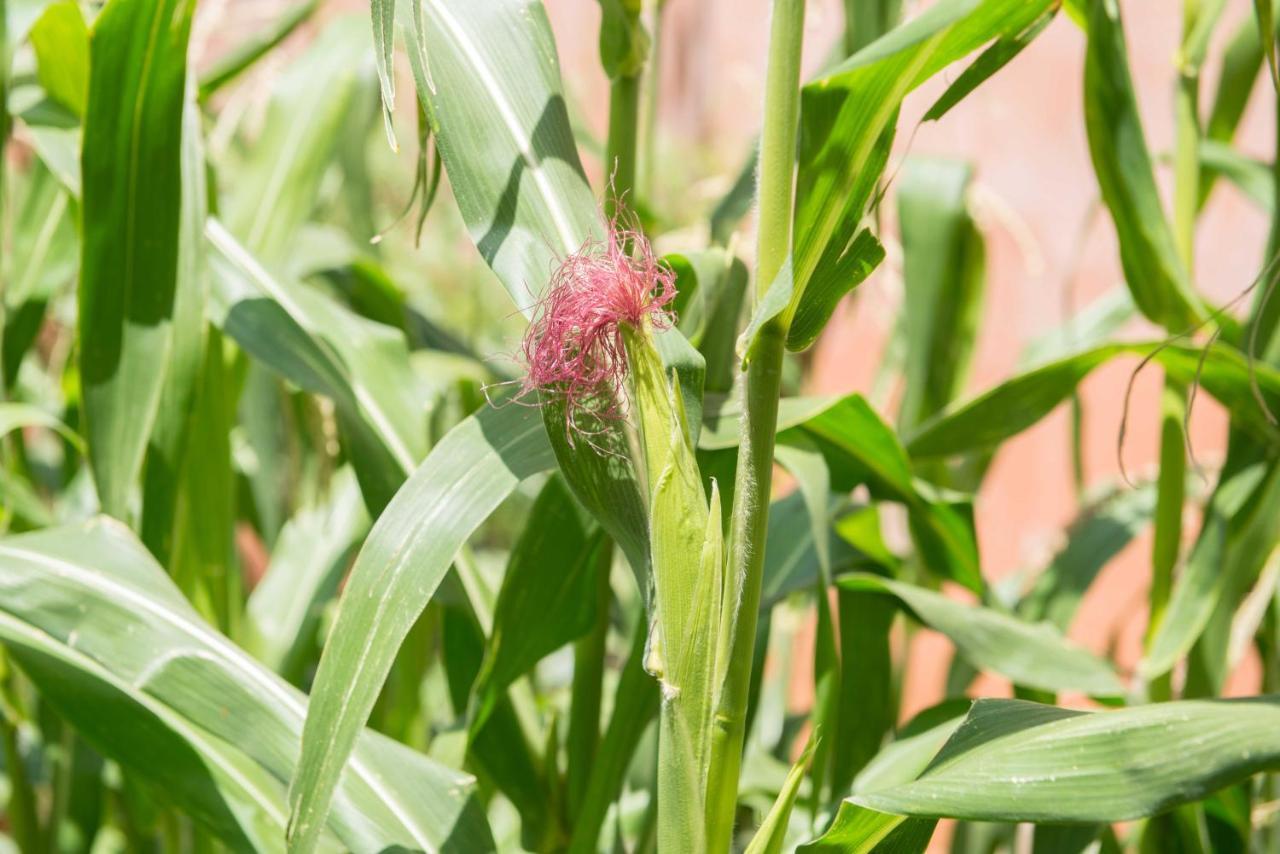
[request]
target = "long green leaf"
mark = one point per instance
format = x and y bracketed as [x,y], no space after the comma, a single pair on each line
[1035,655]
[94,587]
[1017,761]
[944,271]
[1014,405]
[326,349]
[1159,282]
[547,596]
[464,478]
[131,207]
[228,795]
[845,112]
[488,76]
[232,64]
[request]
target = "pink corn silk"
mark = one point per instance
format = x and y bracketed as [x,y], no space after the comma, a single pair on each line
[573,350]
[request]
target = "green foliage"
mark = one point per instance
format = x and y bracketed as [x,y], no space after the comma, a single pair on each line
[286,564]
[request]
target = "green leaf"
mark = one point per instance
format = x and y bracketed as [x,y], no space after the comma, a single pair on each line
[1000,54]
[1251,177]
[710,286]
[17,416]
[224,792]
[1035,655]
[60,39]
[1160,284]
[862,831]
[324,348]
[131,207]
[498,113]
[1241,61]
[384,44]
[845,112]
[464,478]
[43,258]
[1239,535]
[1101,532]
[860,447]
[1267,30]
[95,588]
[829,284]
[1017,761]
[635,704]
[867,707]
[1011,407]
[772,832]
[944,271]
[234,62]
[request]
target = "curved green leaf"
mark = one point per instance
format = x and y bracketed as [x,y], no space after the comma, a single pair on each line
[217,785]
[987,420]
[464,478]
[326,349]
[488,76]
[95,588]
[845,112]
[1160,284]
[1017,761]
[1032,654]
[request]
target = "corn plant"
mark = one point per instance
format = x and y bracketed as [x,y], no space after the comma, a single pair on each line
[358,500]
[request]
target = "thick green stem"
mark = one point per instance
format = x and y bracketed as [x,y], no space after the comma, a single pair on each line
[620,149]
[746,561]
[762,385]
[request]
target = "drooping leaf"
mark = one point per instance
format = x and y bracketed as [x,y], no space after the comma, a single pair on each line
[384,44]
[131,164]
[324,348]
[1035,655]
[944,272]
[94,587]
[1006,761]
[405,557]
[1013,406]
[845,112]
[830,283]
[1159,282]
[212,781]
[488,77]
[991,60]
[1251,177]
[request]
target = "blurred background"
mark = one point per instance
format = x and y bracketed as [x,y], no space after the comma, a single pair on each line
[1051,250]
